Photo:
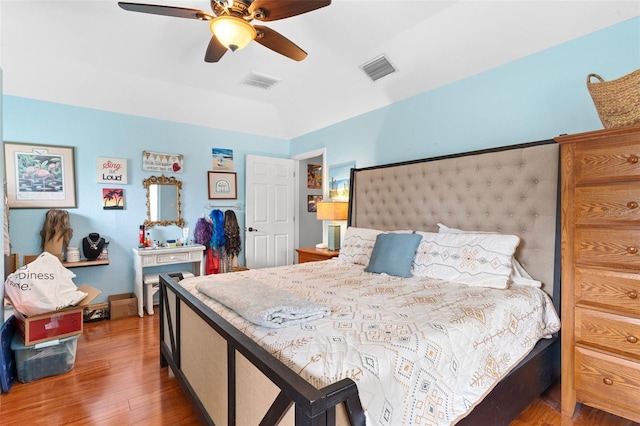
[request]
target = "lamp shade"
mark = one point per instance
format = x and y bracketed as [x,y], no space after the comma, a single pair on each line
[233,33]
[327,210]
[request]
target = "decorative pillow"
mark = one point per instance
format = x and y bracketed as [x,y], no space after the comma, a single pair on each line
[480,260]
[358,244]
[518,276]
[393,254]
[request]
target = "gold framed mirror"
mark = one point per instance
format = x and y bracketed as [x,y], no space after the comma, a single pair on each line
[163,201]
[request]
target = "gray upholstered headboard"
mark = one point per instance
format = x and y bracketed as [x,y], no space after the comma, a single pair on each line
[512,190]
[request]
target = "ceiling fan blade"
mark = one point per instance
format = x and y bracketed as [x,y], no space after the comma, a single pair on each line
[156,9]
[215,50]
[278,43]
[280,9]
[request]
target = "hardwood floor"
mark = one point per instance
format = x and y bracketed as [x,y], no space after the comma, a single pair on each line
[117,380]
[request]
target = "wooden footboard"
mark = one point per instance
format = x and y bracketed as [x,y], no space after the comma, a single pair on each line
[231,380]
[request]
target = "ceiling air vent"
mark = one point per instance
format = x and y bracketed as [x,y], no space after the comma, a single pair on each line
[260,81]
[378,68]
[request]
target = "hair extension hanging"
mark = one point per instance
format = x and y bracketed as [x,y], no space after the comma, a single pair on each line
[232,233]
[218,239]
[203,232]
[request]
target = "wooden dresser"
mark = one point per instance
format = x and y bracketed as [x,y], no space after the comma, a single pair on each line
[601,271]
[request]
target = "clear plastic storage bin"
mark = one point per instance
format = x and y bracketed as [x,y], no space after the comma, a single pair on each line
[44,359]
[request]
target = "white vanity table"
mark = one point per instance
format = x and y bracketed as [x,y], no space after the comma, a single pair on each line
[146,258]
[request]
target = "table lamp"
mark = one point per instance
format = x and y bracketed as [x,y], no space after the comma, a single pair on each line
[328,210]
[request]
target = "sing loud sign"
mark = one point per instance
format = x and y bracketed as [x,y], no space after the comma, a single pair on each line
[111,170]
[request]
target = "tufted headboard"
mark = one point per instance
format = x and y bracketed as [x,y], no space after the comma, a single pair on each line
[511,190]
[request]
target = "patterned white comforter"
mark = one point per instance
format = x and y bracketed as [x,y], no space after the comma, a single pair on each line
[421,351]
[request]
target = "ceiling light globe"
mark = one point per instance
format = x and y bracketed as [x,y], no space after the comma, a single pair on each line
[233,33]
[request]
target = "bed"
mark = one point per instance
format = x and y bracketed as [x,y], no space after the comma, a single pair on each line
[237,373]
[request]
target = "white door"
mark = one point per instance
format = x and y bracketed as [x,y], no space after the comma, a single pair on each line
[270,226]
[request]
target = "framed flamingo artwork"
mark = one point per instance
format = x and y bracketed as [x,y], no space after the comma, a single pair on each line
[39,176]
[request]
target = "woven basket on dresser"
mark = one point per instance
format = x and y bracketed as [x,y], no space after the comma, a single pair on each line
[617,101]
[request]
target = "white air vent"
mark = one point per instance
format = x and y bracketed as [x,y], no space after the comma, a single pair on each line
[260,80]
[378,68]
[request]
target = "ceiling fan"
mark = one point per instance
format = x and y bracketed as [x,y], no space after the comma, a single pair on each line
[230,23]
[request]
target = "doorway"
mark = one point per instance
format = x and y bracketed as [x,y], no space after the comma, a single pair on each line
[306,231]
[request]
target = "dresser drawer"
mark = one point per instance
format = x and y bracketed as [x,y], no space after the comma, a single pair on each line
[608,162]
[618,291]
[169,258]
[608,204]
[608,247]
[608,331]
[608,382]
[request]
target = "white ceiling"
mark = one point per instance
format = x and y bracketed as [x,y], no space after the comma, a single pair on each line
[93,54]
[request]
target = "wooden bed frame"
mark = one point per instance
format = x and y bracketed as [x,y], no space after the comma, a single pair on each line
[231,380]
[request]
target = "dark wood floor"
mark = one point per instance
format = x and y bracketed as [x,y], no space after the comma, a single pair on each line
[116,380]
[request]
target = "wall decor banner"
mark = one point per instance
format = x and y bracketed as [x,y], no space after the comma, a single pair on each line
[111,170]
[39,176]
[162,162]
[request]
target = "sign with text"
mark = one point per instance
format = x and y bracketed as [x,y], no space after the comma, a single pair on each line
[111,170]
[162,162]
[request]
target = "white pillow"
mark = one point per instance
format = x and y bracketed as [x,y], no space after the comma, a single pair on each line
[358,244]
[519,275]
[479,260]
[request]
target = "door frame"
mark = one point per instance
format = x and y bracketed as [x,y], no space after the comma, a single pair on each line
[297,189]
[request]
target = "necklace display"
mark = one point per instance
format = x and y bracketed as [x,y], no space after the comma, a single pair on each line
[93,244]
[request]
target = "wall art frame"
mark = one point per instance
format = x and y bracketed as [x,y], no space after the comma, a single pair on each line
[339,180]
[312,203]
[40,176]
[222,185]
[314,176]
[222,159]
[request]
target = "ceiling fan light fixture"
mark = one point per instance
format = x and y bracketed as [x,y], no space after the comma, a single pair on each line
[233,33]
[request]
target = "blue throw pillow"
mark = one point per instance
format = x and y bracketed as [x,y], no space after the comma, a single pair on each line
[393,253]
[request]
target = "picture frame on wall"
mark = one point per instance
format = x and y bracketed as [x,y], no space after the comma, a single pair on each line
[40,176]
[221,159]
[312,203]
[340,180]
[222,185]
[112,199]
[314,176]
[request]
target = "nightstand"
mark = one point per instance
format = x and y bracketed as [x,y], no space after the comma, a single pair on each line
[312,254]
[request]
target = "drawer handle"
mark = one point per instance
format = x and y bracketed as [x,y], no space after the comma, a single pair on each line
[632,294]
[632,250]
[632,339]
[632,205]
[607,381]
[633,159]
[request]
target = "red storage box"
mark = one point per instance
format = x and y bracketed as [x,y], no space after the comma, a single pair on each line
[55,324]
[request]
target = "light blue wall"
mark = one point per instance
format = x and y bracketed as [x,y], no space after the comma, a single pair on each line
[102,134]
[534,98]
